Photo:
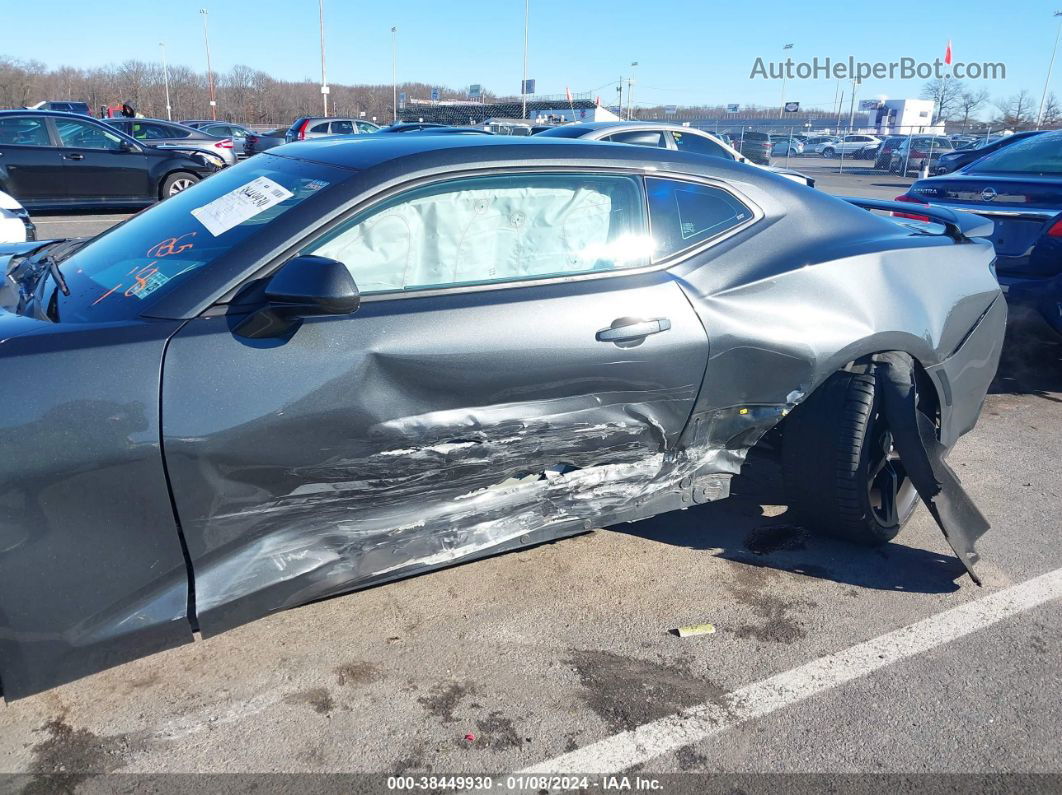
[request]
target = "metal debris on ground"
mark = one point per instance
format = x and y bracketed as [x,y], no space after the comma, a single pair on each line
[695,629]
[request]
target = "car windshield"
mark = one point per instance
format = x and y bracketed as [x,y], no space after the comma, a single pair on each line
[120,273]
[1038,154]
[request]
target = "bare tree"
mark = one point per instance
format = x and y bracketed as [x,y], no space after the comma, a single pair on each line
[968,102]
[1016,111]
[1052,113]
[945,93]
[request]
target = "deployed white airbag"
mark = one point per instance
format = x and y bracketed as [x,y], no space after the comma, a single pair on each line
[477,235]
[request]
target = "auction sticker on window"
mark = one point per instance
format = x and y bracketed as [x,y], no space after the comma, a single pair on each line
[239,205]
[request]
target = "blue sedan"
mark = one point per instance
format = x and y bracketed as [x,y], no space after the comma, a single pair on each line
[1019,188]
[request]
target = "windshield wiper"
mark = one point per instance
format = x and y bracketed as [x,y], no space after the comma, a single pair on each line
[53,268]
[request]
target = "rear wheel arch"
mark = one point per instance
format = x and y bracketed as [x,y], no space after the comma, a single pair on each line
[842,476]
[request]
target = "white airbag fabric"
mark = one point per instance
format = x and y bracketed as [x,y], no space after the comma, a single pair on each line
[477,235]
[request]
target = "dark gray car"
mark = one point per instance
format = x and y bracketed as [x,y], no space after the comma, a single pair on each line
[345,362]
[167,134]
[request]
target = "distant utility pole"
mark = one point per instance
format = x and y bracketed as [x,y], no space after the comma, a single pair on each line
[851,105]
[1047,80]
[210,72]
[781,108]
[166,80]
[523,83]
[630,90]
[324,77]
[394,71]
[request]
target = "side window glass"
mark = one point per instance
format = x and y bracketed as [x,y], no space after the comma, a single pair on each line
[320,128]
[365,127]
[23,131]
[685,214]
[639,137]
[494,229]
[345,127]
[141,131]
[170,131]
[688,142]
[85,135]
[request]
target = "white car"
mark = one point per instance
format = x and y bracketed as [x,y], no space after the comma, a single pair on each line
[849,145]
[664,136]
[814,145]
[15,223]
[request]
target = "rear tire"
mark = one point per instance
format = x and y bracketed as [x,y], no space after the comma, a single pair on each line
[176,182]
[841,474]
[828,153]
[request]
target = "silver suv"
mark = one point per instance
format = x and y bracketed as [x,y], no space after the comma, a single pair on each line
[306,127]
[850,144]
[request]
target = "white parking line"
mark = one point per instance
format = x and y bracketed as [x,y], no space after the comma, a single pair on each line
[621,751]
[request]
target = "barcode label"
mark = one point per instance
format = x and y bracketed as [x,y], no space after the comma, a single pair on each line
[241,204]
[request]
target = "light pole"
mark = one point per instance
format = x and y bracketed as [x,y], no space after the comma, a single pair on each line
[394,72]
[166,80]
[630,89]
[1050,66]
[324,78]
[781,107]
[523,83]
[210,73]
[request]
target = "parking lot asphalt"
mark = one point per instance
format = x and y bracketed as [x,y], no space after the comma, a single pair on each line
[555,653]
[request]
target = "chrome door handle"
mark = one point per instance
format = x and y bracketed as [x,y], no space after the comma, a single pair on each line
[627,329]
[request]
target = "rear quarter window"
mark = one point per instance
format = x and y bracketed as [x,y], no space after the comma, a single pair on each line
[686,214]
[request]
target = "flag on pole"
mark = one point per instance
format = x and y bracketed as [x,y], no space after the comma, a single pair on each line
[947,53]
[568,94]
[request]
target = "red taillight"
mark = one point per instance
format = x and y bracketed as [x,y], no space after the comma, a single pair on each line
[224,144]
[302,130]
[1056,229]
[911,200]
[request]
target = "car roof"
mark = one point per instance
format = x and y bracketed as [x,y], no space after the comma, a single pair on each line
[427,151]
[593,126]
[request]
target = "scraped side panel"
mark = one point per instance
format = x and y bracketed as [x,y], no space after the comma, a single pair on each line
[418,433]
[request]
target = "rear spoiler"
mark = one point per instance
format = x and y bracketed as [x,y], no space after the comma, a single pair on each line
[958,225]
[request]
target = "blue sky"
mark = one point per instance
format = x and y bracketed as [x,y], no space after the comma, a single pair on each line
[689,51]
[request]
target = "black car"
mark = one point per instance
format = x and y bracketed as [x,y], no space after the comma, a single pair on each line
[756,146]
[953,161]
[257,142]
[339,364]
[410,126]
[883,154]
[1019,188]
[54,160]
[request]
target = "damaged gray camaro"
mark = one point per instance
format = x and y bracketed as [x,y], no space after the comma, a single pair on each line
[345,362]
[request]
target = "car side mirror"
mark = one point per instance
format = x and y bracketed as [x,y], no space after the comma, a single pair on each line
[128,146]
[306,286]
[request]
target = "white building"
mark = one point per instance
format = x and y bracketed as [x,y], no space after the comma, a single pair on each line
[903,116]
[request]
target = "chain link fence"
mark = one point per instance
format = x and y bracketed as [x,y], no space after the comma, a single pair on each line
[905,151]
